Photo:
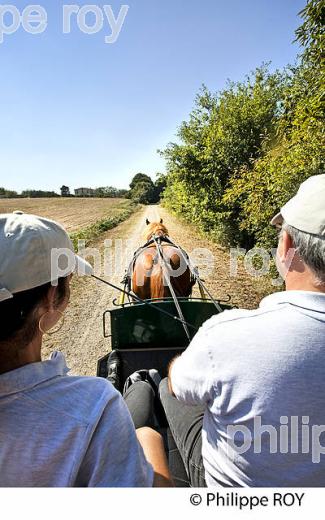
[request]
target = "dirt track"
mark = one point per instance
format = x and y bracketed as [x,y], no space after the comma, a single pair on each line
[81,338]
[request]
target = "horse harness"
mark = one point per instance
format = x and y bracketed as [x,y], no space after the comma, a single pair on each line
[153,242]
[156,241]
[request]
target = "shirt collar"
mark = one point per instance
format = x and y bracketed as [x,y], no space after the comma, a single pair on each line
[33,374]
[306,299]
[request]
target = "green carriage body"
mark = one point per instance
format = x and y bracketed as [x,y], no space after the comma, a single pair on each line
[147,338]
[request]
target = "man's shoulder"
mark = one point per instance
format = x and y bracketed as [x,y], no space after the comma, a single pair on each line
[234,315]
[235,321]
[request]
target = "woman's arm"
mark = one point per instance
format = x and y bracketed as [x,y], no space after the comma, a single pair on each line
[153,446]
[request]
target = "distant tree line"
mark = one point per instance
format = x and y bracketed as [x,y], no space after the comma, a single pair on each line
[110,192]
[33,194]
[243,151]
[36,194]
[7,194]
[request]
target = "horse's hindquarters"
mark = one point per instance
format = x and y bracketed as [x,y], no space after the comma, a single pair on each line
[152,274]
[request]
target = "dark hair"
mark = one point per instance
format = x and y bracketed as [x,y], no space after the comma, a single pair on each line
[17,321]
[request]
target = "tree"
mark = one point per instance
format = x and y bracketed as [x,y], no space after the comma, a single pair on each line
[298,150]
[140,177]
[142,189]
[311,34]
[142,193]
[110,192]
[65,191]
[122,193]
[160,186]
[225,131]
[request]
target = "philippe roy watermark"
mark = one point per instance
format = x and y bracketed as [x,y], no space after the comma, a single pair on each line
[293,435]
[112,259]
[89,19]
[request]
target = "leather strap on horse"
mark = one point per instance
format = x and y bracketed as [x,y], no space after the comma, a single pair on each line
[194,273]
[127,281]
[170,286]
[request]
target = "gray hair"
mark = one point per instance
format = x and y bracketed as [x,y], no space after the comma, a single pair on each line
[311,249]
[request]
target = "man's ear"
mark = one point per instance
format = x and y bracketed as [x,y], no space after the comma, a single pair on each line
[147,222]
[286,245]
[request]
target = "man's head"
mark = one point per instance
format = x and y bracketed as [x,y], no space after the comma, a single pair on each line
[301,249]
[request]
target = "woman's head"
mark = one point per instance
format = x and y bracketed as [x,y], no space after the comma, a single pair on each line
[34,290]
[33,252]
[20,316]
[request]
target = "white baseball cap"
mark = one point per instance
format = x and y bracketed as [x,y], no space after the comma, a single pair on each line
[306,210]
[34,251]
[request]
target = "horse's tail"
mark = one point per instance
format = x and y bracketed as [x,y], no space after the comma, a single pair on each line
[157,287]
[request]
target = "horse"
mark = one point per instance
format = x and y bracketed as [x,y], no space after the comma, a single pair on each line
[158,260]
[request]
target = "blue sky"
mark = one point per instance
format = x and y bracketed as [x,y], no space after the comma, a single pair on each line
[80,112]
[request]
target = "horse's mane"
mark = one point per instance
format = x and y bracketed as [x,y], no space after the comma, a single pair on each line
[156,228]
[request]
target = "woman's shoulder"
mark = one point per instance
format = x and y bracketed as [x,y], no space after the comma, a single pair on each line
[80,397]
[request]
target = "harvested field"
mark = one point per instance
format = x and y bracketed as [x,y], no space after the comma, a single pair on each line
[72,213]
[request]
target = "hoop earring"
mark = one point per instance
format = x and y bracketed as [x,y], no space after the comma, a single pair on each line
[51,332]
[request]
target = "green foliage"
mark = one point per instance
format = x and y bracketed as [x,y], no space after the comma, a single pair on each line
[244,151]
[110,192]
[144,191]
[37,194]
[8,194]
[65,191]
[311,34]
[298,151]
[160,185]
[140,178]
[225,132]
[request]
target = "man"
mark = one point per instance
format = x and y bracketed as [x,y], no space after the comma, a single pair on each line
[248,399]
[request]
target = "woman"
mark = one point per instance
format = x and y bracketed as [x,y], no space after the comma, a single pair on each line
[55,429]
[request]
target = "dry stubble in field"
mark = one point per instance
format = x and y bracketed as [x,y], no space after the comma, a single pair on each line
[72,213]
